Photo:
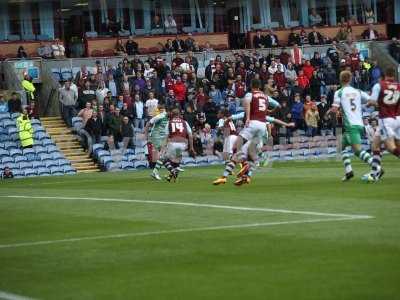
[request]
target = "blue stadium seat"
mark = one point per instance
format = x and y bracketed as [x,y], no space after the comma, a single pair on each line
[126,165]
[25,165]
[4,116]
[10,145]
[4,153]
[131,157]
[13,133]
[38,164]
[38,128]
[52,149]
[51,163]
[56,170]
[47,142]
[189,161]
[30,172]
[7,123]
[63,162]
[97,147]
[102,153]
[40,135]
[15,116]
[18,173]
[35,122]
[106,161]
[57,155]
[129,151]
[45,156]
[77,123]
[43,171]
[15,152]
[7,159]
[39,149]
[20,158]
[69,170]
[141,164]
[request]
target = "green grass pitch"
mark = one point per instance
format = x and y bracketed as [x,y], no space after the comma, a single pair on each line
[54,245]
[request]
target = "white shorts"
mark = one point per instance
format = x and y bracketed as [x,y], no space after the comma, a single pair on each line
[252,146]
[229,142]
[174,151]
[389,128]
[254,132]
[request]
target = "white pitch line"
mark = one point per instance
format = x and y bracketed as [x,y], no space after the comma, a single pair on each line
[10,296]
[161,232]
[206,205]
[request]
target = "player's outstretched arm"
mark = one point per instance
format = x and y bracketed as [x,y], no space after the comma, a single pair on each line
[280,122]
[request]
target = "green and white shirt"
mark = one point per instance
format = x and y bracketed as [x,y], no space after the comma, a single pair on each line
[350,100]
[159,126]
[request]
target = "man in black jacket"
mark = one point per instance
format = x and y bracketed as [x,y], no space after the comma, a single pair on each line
[394,49]
[94,127]
[258,40]
[127,132]
[271,39]
[179,45]
[294,38]
[315,38]
[132,48]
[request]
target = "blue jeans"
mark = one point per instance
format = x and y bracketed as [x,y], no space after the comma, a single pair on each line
[68,112]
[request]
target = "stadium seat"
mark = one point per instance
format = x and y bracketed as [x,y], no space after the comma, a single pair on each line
[56,170]
[20,158]
[4,116]
[13,133]
[106,161]
[18,173]
[47,142]
[38,164]
[57,155]
[45,156]
[30,172]
[35,122]
[52,149]
[50,163]
[69,170]
[141,164]
[102,153]
[4,153]
[25,165]
[40,135]
[39,149]
[7,123]
[38,128]
[127,165]
[43,171]
[15,152]
[63,162]
[15,116]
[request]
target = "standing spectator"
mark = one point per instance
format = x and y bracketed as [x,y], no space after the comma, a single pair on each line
[138,112]
[68,99]
[315,86]
[200,99]
[58,49]
[180,91]
[94,126]
[101,92]
[294,38]
[316,61]
[151,106]
[25,130]
[21,53]
[44,51]
[127,133]
[303,80]
[7,173]
[290,74]
[14,103]
[375,73]
[296,55]
[119,48]
[314,18]
[33,112]
[3,104]
[258,40]
[113,123]
[308,69]
[312,120]
[189,42]
[132,48]
[170,23]
[370,33]
[156,23]
[314,37]
[170,100]
[86,113]
[297,112]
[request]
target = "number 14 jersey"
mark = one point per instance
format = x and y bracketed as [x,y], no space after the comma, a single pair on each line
[350,100]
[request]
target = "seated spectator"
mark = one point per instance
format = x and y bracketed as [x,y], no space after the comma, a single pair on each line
[44,51]
[258,40]
[14,103]
[94,126]
[314,18]
[119,48]
[342,34]
[303,37]
[32,109]
[294,38]
[156,23]
[131,47]
[3,104]
[178,44]
[25,130]
[314,37]
[316,61]
[271,39]
[86,113]
[21,52]
[370,33]
[394,49]
[169,46]
[303,80]
[207,47]
[58,49]
[7,173]
[169,23]
[369,16]
[189,42]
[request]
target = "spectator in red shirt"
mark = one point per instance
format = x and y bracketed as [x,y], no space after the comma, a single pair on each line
[180,91]
[169,82]
[303,80]
[308,69]
[240,87]
[279,77]
[200,99]
[354,60]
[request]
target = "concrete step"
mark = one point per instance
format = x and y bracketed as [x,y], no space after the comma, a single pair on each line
[50,118]
[81,161]
[87,171]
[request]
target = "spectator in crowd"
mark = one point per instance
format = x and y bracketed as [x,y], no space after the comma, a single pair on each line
[14,103]
[7,173]
[101,92]
[44,51]
[170,23]
[151,106]
[258,40]
[375,73]
[113,125]
[127,133]
[369,16]
[189,42]
[156,23]
[94,126]
[271,39]
[180,91]
[342,33]
[86,113]
[21,53]
[294,38]
[58,49]
[312,120]
[68,99]
[314,37]
[370,33]
[314,18]
[297,112]
[179,44]
[394,49]
[120,48]
[169,46]
[25,130]
[132,48]
[32,109]
[296,55]
[3,104]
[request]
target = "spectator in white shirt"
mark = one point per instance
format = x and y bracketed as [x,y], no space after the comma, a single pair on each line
[111,85]
[273,68]
[101,92]
[148,71]
[138,112]
[170,22]
[58,49]
[151,105]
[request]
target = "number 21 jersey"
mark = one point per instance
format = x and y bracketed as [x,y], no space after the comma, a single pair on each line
[387,93]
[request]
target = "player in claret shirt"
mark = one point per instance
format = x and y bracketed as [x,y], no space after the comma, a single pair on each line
[256,107]
[386,95]
[179,138]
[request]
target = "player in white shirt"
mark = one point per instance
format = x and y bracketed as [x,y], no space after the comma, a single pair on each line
[350,101]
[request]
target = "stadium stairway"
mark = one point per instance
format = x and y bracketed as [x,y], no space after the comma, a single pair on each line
[69,145]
